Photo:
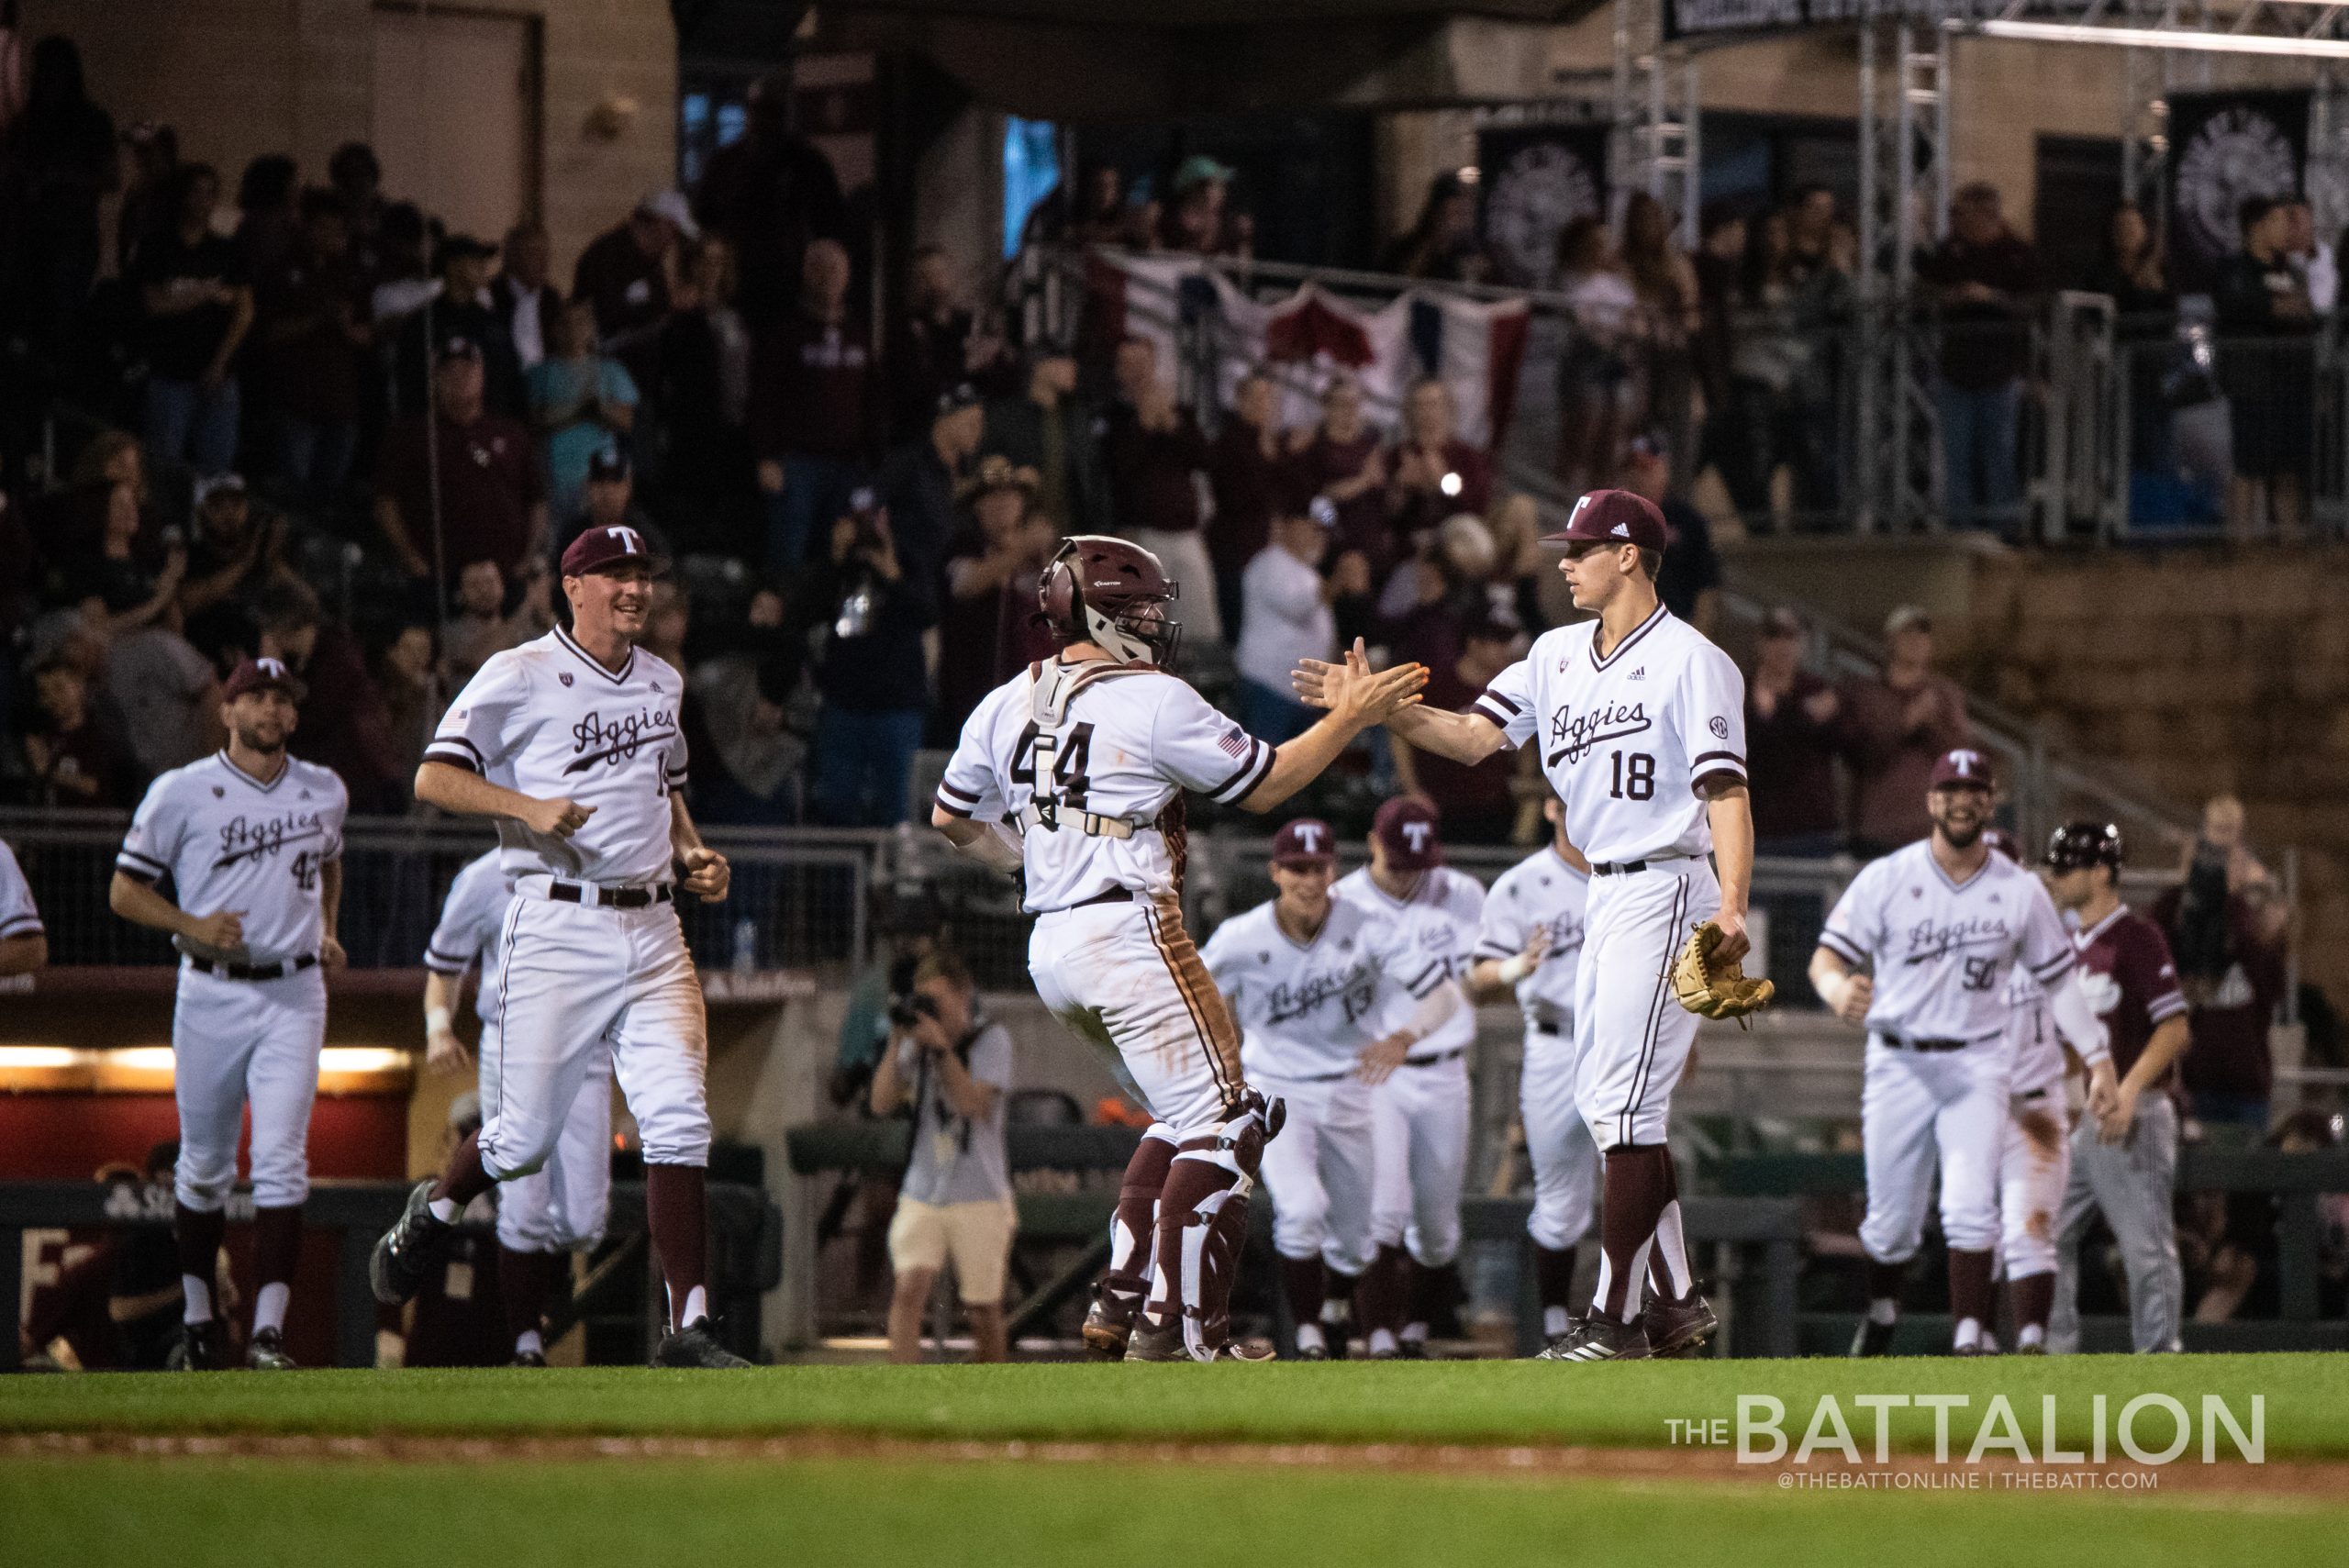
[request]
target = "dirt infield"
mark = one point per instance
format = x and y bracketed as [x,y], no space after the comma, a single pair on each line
[2273,1483]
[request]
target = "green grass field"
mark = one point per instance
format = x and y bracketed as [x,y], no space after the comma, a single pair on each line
[897,1505]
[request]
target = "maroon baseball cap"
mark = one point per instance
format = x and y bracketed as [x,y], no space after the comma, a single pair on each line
[1614,516]
[600,550]
[259,675]
[1406,828]
[1306,842]
[1962,766]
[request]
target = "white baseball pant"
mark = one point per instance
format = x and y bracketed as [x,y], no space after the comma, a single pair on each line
[1631,1037]
[1127,978]
[561,1205]
[1557,1143]
[236,1042]
[1321,1171]
[581,985]
[1419,1125]
[2034,1164]
[1916,1105]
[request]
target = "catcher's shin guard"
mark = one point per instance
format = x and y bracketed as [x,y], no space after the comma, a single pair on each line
[1117,1293]
[1202,1222]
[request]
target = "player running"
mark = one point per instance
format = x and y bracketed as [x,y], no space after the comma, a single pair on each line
[1310,977]
[1531,940]
[252,841]
[2124,1152]
[1642,727]
[1942,923]
[560,1208]
[1071,776]
[571,743]
[1420,1115]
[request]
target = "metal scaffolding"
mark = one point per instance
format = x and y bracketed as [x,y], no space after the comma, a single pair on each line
[1904,202]
[1656,147]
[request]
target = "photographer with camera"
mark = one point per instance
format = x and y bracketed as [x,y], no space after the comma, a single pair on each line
[2227,922]
[864,604]
[953,1067]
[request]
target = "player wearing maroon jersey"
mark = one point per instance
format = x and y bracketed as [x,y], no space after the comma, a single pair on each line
[2124,1163]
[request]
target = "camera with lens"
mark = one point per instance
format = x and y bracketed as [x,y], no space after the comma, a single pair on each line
[907,1011]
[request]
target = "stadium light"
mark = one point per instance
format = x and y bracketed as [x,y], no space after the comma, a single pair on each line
[2152,37]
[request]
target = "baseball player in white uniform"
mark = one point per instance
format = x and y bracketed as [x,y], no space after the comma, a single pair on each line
[559,1208]
[251,839]
[1071,774]
[1531,940]
[1313,979]
[2035,1153]
[571,743]
[1641,723]
[1942,923]
[1419,1116]
[24,943]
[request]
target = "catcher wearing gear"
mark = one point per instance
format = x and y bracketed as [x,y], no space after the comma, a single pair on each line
[1713,987]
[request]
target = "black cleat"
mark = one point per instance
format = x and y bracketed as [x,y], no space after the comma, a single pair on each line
[527,1358]
[1678,1327]
[196,1349]
[1164,1342]
[267,1352]
[1108,1324]
[1599,1338]
[694,1345]
[1412,1350]
[1874,1339]
[405,1253]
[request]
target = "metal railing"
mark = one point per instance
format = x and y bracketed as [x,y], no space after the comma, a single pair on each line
[801,899]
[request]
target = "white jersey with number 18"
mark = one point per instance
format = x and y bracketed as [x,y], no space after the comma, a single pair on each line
[1625,739]
[1088,786]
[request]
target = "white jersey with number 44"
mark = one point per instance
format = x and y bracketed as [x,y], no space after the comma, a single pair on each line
[1625,739]
[1127,741]
[546,720]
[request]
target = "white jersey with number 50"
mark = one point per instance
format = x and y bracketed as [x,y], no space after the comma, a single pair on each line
[1943,950]
[1129,738]
[547,720]
[229,841]
[1624,740]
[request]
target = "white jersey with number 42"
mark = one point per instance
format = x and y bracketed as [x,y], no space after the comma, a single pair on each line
[1129,738]
[546,720]
[229,841]
[1624,740]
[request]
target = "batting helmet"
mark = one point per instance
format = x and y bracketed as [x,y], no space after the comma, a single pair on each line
[2078,844]
[1106,591]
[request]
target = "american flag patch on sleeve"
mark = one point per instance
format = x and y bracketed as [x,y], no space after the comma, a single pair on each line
[1233,743]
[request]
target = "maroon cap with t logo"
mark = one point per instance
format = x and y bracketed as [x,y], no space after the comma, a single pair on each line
[1405,829]
[1614,516]
[1306,842]
[259,675]
[1962,767]
[600,550]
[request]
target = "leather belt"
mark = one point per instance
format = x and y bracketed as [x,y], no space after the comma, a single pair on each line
[1107,895]
[1555,1032]
[596,896]
[1438,1059]
[1623,868]
[254,970]
[1899,1043]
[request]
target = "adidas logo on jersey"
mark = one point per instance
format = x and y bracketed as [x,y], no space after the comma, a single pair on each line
[1639,674]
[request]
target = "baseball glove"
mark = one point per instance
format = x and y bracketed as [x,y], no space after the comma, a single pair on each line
[1710,988]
